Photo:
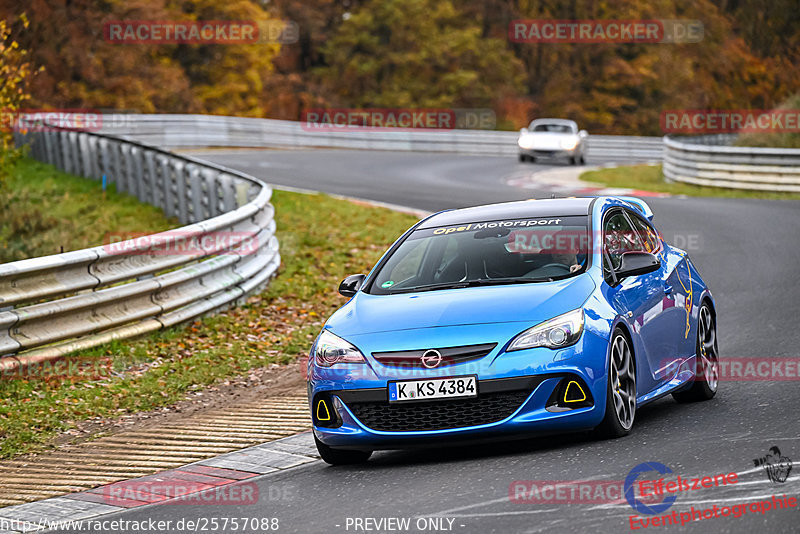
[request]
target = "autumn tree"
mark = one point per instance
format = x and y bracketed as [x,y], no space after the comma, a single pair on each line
[416,53]
[15,72]
[293,85]
[226,79]
[623,87]
[84,70]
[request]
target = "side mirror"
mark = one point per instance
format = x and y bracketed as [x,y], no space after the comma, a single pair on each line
[350,285]
[635,263]
[583,134]
[523,130]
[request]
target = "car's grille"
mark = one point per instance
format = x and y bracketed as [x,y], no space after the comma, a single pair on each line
[438,415]
[449,355]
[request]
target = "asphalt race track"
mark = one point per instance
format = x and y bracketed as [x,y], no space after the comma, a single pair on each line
[426,181]
[747,250]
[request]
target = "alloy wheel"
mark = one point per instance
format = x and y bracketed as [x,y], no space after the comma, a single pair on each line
[623,381]
[708,366]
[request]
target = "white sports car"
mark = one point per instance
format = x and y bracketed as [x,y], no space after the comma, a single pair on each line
[553,138]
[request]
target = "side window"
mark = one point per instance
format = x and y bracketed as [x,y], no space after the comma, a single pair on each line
[647,234]
[619,238]
[409,265]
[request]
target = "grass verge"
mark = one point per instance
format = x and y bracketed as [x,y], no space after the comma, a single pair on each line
[321,240]
[51,210]
[650,178]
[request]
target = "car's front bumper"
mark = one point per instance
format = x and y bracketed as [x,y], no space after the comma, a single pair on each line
[506,407]
[537,153]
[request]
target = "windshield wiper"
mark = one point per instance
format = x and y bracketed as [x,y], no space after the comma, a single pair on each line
[473,283]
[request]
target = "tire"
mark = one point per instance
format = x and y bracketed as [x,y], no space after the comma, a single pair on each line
[620,390]
[582,160]
[341,456]
[523,158]
[706,373]
[573,161]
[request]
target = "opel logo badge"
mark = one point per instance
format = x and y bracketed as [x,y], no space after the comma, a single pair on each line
[431,358]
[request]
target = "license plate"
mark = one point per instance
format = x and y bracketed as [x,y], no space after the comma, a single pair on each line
[435,388]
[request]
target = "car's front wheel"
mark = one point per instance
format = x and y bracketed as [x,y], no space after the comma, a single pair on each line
[706,377]
[341,456]
[621,389]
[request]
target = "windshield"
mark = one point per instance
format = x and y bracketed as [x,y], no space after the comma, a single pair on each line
[552,128]
[486,253]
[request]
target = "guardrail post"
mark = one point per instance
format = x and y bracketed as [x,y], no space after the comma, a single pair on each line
[60,143]
[208,186]
[72,154]
[179,171]
[105,157]
[126,164]
[116,177]
[66,153]
[136,173]
[228,193]
[48,146]
[148,178]
[196,194]
[93,156]
[86,158]
[164,186]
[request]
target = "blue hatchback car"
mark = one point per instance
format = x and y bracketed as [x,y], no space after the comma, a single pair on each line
[513,319]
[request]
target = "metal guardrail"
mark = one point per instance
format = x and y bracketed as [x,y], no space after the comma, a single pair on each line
[700,163]
[183,131]
[53,305]
[704,160]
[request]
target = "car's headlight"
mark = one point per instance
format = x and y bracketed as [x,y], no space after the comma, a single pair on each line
[569,144]
[525,142]
[330,349]
[561,331]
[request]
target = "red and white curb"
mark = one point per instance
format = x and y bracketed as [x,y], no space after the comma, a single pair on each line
[219,480]
[564,181]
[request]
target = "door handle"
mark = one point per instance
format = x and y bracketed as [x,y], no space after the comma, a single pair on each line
[667,289]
